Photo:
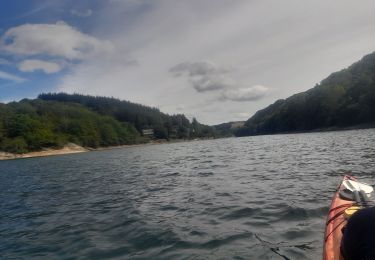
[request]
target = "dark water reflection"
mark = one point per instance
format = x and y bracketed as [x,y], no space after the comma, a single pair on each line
[260,197]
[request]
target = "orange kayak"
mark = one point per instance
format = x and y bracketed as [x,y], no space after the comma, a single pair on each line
[343,205]
[335,223]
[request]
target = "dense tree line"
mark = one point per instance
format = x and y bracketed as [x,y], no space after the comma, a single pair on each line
[30,125]
[54,120]
[141,117]
[345,98]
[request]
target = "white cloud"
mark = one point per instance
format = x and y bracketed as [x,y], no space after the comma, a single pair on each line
[11,77]
[58,39]
[253,93]
[79,13]
[33,65]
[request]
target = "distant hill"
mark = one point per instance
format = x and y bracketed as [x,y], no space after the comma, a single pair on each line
[346,98]
[53,120]
[140,116]
[228,129]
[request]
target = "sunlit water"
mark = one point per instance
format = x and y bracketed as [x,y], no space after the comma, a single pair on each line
[262,197]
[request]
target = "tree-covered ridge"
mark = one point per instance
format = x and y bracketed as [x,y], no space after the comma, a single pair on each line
[140,116]
[228,129]
[53,120]
[345,98]
[30,125]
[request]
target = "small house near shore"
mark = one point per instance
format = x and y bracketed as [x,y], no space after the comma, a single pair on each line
[148,132]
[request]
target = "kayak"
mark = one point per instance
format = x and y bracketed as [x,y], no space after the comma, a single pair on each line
[349,197]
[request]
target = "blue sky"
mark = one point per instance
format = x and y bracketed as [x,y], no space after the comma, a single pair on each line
[16,84]
[215,60]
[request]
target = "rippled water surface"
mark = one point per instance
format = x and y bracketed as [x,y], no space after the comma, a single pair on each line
[261,197]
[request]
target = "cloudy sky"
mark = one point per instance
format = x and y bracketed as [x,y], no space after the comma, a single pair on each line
[217,60]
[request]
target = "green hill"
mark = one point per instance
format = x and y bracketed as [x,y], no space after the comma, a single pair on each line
[344,99]
[53,120]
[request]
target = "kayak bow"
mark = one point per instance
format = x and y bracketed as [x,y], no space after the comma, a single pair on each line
[349,197]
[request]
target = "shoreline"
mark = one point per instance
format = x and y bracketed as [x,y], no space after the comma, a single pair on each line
[320,130]
[72,148]
[69,148]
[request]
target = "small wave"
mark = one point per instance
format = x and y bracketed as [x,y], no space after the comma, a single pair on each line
[296,234]
[211,244]
[296,213]
[122,224]
[168,207]
[154,189]
[205,174]
[223,194]
[240,213]
[171,174]
[207,161]
[217,211]
[368,156]
[278,248]
[214,243]
[197,233]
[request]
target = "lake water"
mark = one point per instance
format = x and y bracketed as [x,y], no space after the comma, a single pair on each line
[263,197]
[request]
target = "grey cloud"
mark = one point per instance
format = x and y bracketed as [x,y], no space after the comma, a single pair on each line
[208,83]
[253,93]
[199,68]
[203,75]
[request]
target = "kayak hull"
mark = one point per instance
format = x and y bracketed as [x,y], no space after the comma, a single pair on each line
[335,222]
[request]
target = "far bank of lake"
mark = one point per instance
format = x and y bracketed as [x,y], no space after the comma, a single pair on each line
[72,148]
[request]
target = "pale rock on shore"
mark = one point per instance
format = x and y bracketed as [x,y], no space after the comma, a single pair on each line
[67,149]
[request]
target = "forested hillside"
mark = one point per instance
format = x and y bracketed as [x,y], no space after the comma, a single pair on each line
[141,117]
[346,98]
[54,120]
[228,129]
[30,125]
